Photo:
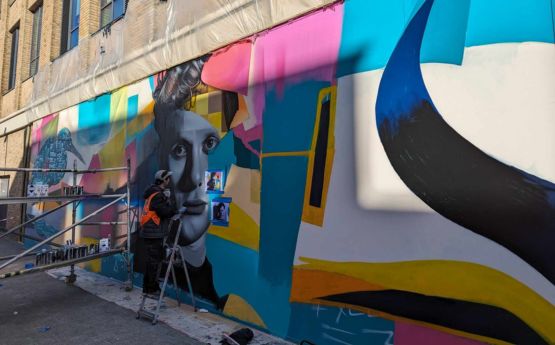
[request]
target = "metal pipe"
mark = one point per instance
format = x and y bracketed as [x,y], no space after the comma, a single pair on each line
[104,223]
[75,171]
[34,219]
[128,249]
[62,231]
[61,264]
[34,238]
[2,258]
[28,200]
[73,217]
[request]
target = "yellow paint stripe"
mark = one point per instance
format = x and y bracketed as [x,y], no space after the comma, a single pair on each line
[242,229]
[453,279]
[241,309]
[285,154]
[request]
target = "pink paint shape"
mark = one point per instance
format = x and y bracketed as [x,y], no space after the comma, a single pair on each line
[94,183]
[247,136]
[131,152]
[302,50]
[411,334]
[228,68]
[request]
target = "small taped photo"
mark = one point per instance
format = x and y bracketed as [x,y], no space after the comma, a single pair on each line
[214,181]
[220,211]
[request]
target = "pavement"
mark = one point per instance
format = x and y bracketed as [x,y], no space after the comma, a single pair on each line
[40,308]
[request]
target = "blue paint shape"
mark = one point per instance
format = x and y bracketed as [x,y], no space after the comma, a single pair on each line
[324,325]
[371,29]
[289,117]
[282,199]
[402,87]
[236,272]
[498,21]
[132,107]
[94,121]
[224,155]
[445,35]
[114,267]
[553,18]
[151,83]
[245,157]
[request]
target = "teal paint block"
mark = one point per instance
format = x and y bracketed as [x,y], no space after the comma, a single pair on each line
[282,196]
[372,28]
[94,121]
[289,117]
[503,21]
[445,34]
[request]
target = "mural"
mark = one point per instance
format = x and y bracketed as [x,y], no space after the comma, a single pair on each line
[376,172]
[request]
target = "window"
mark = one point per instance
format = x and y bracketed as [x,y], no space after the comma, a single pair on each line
[111,10]
[70,24]
[4,191]
[4,186]
[35,40]
[13,57]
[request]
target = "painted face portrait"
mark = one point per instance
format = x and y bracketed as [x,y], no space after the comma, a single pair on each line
[188,144]
[186,140]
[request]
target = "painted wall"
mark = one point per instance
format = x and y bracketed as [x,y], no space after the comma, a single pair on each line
[385,167]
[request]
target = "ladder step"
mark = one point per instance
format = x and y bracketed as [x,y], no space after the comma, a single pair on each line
[153,297]
[146,314]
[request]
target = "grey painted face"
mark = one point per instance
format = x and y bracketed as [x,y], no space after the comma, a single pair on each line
[185,145]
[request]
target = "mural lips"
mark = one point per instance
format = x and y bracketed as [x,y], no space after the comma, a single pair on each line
[194,207]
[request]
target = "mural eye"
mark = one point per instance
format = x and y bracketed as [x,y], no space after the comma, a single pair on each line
[210,144]
[179,151]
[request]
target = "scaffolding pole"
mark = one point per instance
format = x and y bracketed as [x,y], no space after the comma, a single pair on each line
[72,277]
[124,248]
[61,264]
[36,199]
[75,171]
[63,231]
[44,214]
[129,283]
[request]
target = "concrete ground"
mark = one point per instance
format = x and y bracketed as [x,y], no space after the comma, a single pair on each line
[37,309]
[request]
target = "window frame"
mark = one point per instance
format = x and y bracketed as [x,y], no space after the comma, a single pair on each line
[67,27]
[12,71]
[113,17]
[35,40]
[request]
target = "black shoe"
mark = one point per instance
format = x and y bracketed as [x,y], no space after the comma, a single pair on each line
[152,291]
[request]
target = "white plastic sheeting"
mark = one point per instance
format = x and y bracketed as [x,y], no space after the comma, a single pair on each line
[152,36]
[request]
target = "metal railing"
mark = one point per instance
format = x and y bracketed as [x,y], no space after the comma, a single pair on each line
[71,200]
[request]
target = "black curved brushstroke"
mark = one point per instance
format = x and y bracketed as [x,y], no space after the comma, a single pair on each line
[470,317]
[451,175]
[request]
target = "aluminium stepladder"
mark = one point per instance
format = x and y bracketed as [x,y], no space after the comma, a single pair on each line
[175,256]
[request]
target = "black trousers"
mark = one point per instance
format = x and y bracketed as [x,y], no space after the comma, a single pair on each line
[154,254]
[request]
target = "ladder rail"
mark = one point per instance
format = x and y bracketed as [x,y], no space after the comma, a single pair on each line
[176,251]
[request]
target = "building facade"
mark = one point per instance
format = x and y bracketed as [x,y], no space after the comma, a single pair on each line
[358,172]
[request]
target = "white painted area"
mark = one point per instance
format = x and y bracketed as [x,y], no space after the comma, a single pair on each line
[204,327]
[371,235]
[378,185]
[502,99]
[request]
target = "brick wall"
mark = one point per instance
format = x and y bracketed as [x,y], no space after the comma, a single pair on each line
[12,149]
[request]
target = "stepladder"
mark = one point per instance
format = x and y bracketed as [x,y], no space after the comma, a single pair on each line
[173,258]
